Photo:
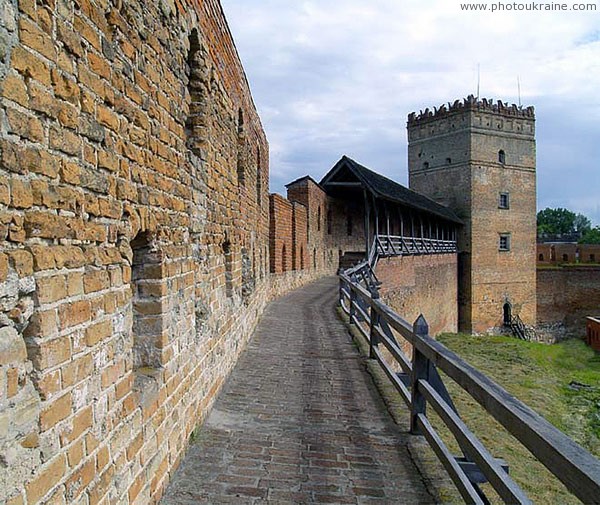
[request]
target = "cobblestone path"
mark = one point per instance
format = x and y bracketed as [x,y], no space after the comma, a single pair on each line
[299,420]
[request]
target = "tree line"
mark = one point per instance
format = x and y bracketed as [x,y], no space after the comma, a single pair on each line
[563,223]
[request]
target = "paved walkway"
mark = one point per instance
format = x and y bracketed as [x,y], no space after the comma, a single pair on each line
[299,420]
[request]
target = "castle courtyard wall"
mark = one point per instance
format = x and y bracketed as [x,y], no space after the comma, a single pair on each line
[428,285]
[565,297]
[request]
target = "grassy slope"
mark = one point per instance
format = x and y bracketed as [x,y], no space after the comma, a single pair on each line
[539,375]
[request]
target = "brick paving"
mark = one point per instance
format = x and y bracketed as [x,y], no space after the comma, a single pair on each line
[299,420]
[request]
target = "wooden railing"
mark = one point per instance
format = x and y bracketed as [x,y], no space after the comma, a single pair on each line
[419,385]
[519,328]
[392,245]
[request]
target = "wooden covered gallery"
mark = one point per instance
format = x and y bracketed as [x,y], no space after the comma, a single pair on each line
[395,220]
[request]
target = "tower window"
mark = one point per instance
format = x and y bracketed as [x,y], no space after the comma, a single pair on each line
[504,201]
[448,161]
[501,157]
[541,257]
[504,244]
[426,164]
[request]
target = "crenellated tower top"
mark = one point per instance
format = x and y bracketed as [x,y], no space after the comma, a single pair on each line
[471,103]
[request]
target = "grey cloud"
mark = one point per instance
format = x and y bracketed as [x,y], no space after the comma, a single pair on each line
[340,77]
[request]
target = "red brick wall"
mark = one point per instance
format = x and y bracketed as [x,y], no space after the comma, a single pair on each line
[544,253]
[299,237]
[324,248]
[565,253]
[565,297]
[589,253]
[280,239]
[427,285]
[314,199]
[575,253]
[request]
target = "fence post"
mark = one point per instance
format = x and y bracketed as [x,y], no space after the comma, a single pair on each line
[420,370]
[373,323]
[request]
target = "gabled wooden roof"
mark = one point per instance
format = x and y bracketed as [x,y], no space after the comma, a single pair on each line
[349,171]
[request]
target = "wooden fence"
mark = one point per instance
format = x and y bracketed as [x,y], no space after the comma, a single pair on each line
[393,245]
[419,384]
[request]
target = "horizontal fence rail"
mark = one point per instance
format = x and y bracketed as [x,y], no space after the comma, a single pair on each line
[393,245]
[419,384]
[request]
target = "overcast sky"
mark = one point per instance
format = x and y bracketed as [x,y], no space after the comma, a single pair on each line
[334,77]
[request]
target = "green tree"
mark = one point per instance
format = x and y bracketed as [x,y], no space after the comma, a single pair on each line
[561,222]
[591,236]
[582,223]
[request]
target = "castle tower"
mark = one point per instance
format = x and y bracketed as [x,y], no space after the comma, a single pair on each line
[478,158]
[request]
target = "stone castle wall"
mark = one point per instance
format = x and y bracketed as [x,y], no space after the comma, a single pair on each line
[565,297]
[558,253]
[134,220]
[334,226]
[414,285]
[300,259]
[281,239]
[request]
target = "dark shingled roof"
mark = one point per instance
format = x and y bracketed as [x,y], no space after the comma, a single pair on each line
[385,188]
[301,179]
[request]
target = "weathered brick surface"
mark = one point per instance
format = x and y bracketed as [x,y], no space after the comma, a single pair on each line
[567,253]
[328,232]
[299,421]
[280,235]
[414,285]
[565,297]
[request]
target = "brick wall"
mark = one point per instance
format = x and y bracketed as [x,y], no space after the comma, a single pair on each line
[589,253]
[134,227]
[565,253]
[280,240]
[545,253]
[427,285]
[568,253]
[299,237]
[565,296]
[334,226]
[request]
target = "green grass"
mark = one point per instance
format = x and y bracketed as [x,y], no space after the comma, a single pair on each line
[539,375]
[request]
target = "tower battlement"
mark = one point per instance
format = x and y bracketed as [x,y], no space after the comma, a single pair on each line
[471,103]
